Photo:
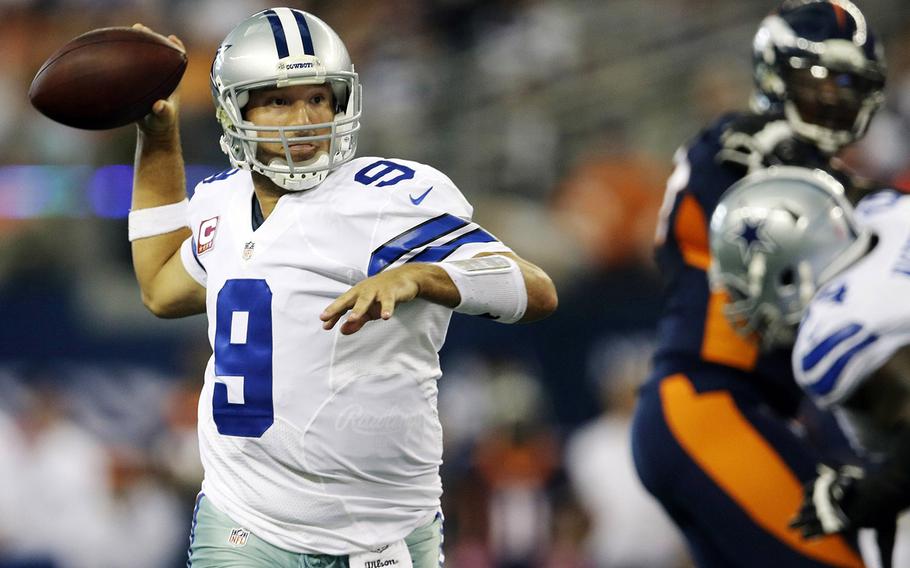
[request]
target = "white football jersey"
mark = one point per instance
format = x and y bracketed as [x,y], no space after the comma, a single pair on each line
[857,321]
[315,441]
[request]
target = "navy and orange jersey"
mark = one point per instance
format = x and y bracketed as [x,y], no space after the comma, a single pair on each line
[693,331]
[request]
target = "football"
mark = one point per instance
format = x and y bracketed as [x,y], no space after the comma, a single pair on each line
[107,78]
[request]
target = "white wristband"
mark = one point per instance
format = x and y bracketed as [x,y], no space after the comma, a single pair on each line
[489,285]
[154,221]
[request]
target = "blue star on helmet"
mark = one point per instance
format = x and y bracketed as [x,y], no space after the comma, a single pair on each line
[751,237]
[749,233]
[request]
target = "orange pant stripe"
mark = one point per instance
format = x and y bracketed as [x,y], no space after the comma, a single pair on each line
[728,448]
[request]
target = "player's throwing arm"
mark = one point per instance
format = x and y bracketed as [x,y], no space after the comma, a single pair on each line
[158,217]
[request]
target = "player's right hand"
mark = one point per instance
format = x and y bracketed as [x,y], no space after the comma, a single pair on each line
[374,298]
[165,112]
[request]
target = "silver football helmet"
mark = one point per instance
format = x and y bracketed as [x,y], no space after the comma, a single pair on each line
[776,236]
[283,47]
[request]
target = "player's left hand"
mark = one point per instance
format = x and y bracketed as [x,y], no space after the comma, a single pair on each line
[373,298]
[822,510]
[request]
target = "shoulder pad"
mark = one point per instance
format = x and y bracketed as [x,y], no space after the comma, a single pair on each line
[750,141]
[760,141]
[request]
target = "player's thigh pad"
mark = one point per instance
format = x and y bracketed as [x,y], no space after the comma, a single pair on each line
[425,544]
[218,542]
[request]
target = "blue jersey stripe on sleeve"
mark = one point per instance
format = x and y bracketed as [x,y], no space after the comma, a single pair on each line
[281,42]
[825,346]
[827,382]
[413,238]
[438,253]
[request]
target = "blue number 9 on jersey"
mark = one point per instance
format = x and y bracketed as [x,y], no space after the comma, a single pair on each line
[242,397]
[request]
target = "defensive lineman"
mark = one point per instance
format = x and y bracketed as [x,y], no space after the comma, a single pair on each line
[321,443]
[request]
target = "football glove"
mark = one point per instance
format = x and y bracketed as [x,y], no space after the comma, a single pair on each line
[822,512]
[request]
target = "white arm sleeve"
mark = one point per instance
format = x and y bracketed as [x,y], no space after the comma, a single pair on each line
[491,286]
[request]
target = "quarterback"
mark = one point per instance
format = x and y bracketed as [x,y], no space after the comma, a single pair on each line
[318,430]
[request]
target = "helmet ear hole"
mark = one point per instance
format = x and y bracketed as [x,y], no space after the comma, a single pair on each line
[787,276]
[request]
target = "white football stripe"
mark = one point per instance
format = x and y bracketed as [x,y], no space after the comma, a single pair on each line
[291,31]
[440,241]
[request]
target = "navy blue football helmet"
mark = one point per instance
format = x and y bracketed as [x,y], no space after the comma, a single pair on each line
[819,63]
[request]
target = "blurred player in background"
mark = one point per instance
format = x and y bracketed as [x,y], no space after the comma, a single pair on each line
[712,436]
[321,444]
[851,352]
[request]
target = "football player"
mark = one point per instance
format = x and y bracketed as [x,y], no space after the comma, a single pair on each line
[712,437]
[787,246]
[321,442]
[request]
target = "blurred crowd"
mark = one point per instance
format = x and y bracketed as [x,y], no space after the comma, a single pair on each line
[557,118]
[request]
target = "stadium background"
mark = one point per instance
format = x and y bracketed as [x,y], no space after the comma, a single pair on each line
[557,119]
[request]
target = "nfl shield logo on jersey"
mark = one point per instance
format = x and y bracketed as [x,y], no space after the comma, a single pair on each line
[248,250]
[238,537]
[205,240]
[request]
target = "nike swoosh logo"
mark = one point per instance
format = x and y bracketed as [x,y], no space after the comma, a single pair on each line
[421,197]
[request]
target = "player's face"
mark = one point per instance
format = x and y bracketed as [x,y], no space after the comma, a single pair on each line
[829,98]
[300,104]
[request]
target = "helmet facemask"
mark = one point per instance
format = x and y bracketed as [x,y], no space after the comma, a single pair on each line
[241,137]
[749,312]
[830,107]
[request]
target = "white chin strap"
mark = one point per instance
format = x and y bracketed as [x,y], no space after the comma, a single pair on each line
[277,169]
[279,173]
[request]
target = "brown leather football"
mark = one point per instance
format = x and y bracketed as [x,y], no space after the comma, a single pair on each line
[107,78]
